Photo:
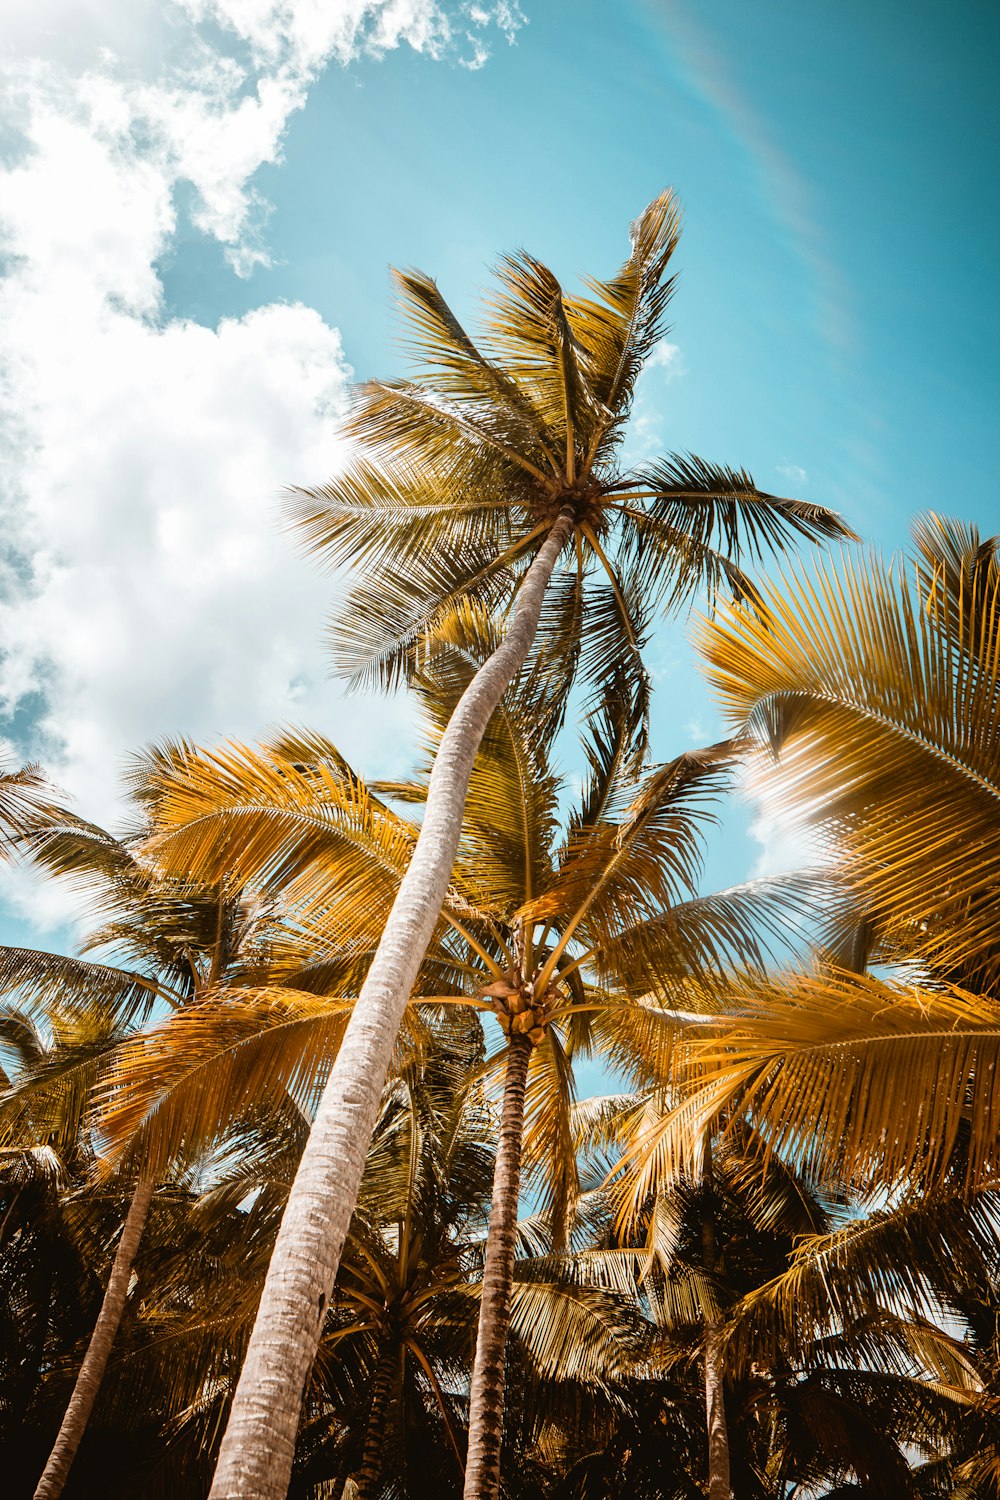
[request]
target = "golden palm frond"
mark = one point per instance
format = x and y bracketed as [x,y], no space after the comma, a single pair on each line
[846,1076]
[707,938]
[905,1259]
[464,468]
[621,323]
[571,1332]
[254,816]
[51,983]
[550,1162]
[510,818]
[180,1084]
[612,876]
[880,699]
[25,803]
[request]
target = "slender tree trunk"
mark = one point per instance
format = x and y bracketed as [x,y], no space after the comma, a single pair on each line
[255,1460]
[482,1469]
[88,1381]
[715,1404]
[373,1452]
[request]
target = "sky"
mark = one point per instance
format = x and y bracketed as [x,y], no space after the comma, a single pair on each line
[199,203]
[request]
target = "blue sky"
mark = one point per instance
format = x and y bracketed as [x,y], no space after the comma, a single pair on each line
[200,204]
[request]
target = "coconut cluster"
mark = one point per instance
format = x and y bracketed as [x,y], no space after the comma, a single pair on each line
[518,1009]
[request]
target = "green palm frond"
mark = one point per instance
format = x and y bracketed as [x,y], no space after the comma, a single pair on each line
[49,1098]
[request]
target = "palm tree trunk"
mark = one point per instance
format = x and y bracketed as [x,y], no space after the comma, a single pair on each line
[715,1403]
[255,1460]
[88,1381]
[482,1470]
[373,1452]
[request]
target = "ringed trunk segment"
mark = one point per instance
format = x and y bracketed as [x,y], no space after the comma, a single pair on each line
[715,1416]
[373,1452]
[482,1470]
[719,1487]
[255,1459]
[95,1361]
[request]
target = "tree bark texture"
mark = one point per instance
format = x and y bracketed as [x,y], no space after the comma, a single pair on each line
[255,1460]
[373,1452]
[482,1469]
[715,1404]
[95,1361]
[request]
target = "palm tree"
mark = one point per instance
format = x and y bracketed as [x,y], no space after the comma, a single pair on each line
[498,462]
[388,1397]
[821,1329]
[543,926]
[176,940]
[401,1308]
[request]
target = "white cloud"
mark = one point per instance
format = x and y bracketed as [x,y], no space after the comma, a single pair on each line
[645,436]
[793,472]
[668,357]
[147,588]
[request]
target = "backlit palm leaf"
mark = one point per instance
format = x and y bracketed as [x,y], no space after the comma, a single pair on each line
[469,464]
[879,694]
[849,1077]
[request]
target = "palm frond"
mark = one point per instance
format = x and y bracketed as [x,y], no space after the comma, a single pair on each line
[181,1084]
[622,321]
[51,983]
[884,716]
[848,1076]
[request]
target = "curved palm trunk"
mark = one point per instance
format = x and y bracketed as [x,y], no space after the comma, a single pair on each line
[255,1460]
[373,1452]
[715,1404]
[95,1361]
[482,1470]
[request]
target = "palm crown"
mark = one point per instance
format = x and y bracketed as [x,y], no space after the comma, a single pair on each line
[468,466]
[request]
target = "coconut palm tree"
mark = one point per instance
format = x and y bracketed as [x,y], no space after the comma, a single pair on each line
[175,940]
[494,473]
[821,1329]
[545,925]
[387,1401]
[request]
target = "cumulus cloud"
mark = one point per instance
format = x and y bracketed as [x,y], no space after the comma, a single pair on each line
[146,587]
[794,472]
[645,437]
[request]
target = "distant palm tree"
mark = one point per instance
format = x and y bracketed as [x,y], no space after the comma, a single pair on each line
[179,940]
[821,1330]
